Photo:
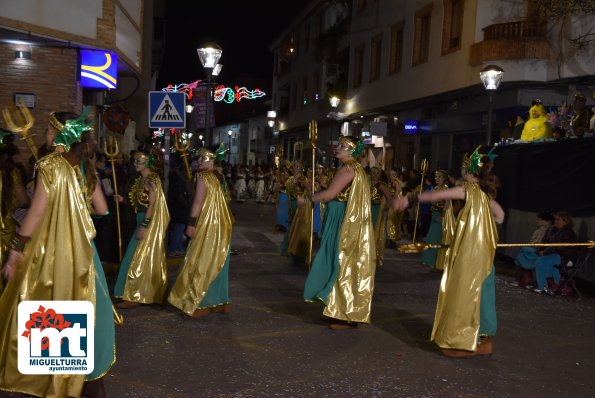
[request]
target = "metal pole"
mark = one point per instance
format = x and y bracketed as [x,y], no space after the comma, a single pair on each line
[229,152]
[166,138]
[330,147]
[207,111]
[490,116]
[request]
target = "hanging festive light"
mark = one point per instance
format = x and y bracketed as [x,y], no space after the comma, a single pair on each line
[229,95]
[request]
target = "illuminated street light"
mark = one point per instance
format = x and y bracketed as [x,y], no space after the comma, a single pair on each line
[334,101]
[209,55]
[491,76]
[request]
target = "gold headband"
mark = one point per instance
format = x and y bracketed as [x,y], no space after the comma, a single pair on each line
[141,156]
[346,141]
[205,153]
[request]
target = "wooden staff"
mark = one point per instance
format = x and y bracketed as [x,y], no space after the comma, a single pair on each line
[112,150]
[20,123]
[419,246]
[424,170]
[182,149]
[314,141]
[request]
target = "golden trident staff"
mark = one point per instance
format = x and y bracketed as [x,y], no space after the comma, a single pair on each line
[314,141]
[20,123]
[424,170]
[112,150]
[182,148]
[419,246]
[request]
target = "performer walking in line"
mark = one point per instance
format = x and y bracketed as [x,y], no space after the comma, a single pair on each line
[142,278]
[13,195]
[466,310]
[202,285]
[342,273]
[296,243]
[380,200]
[434,235]
[52,257]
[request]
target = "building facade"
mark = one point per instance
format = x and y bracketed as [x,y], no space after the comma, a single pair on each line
[407,73]
[40,53]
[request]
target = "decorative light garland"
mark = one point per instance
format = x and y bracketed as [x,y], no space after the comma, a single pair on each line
[227,94]
[222,93]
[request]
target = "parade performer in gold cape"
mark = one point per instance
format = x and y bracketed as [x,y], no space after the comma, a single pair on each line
[52,258]
[342,273]
[142,278]
[435,231]
[466,311]
[296,243]
[12,194]
[380,196]
[202,285]
[393,224]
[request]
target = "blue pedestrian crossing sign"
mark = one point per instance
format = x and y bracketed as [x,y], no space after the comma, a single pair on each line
[167,109]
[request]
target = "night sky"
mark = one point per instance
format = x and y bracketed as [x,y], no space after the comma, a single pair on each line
[243,29]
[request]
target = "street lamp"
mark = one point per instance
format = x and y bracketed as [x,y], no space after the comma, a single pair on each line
[334,101]
[491,76]
[209,55]
[229,133]
[200,139]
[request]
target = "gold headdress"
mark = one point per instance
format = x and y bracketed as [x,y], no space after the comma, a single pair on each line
[356,147]
[69,132]
[205,153]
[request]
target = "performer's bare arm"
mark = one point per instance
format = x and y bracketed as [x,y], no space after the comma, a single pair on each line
[197,203]
[342,178]
[32,219]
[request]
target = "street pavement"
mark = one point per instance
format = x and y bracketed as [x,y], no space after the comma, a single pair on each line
[273,344]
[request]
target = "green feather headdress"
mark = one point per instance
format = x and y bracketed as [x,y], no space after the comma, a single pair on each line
[472,163]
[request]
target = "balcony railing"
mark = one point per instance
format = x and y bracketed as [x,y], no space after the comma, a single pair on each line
[511,41]
[511,30]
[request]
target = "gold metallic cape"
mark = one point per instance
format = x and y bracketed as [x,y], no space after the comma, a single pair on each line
[146,280]
[380,226]
[470,260]
[394,219]
[8,224]
[351,296]
[57,265]
[448,229]
[207,251]
[298,239]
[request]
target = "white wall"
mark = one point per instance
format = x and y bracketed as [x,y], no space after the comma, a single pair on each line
[73,17]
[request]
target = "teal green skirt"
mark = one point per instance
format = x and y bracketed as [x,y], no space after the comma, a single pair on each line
[125,264]
[105,333]
[434,237]
[488,322]
[218,291]
[325,267]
